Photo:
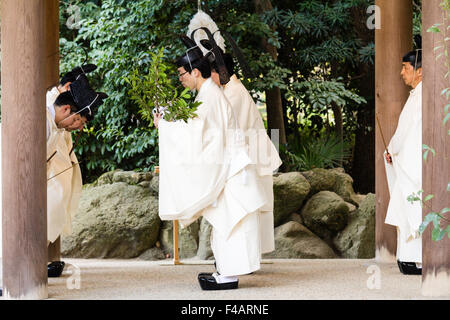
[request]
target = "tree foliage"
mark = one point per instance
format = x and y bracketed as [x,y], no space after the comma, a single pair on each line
[319,51]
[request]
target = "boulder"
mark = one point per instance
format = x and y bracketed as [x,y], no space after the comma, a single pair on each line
[295,217]
[154,185]
[152,254]
[325,214]
[320,179]
[295,241]
[129,177]
[204,251]
[343,186]
[357,240]
[187,239]
[113,220]
[290,190]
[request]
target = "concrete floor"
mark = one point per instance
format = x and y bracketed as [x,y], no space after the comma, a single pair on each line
[278,279]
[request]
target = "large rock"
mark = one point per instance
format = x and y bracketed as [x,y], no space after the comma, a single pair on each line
[343,186]
[154,185]
[204,251]
[320,179]
[325,214]
[357,240]
[113,220]
[129,177]
[152,254]
[293,240]
[290,190]
[187,239]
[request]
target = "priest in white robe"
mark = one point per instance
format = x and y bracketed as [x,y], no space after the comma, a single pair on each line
[403,163]
[68,184]
[205,171]
[261,149]
[64,184]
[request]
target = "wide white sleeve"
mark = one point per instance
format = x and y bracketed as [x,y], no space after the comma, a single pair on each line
[192,165]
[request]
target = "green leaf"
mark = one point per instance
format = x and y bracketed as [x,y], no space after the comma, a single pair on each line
[435,28]
[446,118]
[429,197]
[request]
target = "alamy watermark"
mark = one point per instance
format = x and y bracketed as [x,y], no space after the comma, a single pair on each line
[374,281]
[374,21]
[73,22]
[74,281]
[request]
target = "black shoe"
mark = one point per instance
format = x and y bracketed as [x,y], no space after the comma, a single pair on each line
[409,268]
[210,283]
[203,274]
[209,273]
[55,269]
[1,292]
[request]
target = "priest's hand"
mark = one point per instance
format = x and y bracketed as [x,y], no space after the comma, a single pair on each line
[156,118]
[388,158]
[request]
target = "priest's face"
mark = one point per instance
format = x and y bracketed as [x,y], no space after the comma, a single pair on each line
[186,78]
[410,76]
[63,116]
[78,123]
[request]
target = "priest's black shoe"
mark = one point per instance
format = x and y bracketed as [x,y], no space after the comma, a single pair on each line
[409,268]
[209,273]
[55,269]
[208,282]
[202,274]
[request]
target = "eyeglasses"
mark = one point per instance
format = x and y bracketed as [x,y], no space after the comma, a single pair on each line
[182,74]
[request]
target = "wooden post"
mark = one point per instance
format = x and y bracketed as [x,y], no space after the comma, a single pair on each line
[176,257]
[435,170]
[52,79]
[392,41]
[24,193]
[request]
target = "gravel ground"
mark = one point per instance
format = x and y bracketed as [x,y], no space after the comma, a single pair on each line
[278,279]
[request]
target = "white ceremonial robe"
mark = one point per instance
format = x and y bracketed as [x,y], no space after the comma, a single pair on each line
[205,171]
[63,191]
[404,177]
[261,150]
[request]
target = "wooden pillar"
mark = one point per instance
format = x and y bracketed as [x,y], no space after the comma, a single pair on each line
[52,79]
[392,41]
[23,150]
[435,170]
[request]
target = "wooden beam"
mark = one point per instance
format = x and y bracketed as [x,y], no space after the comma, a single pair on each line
[392,41]
[51,36]
[24,150]
[435,170]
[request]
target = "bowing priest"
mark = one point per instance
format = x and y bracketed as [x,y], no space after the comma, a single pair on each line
[205,171]
[64,182]
[403,162]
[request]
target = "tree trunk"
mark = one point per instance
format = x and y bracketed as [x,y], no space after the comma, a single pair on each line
[275,118]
